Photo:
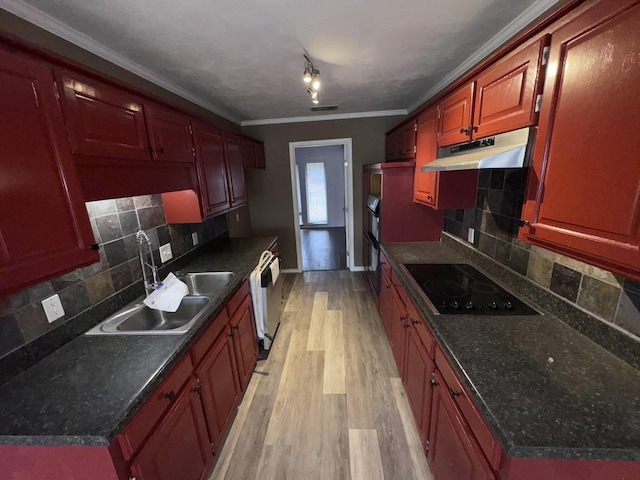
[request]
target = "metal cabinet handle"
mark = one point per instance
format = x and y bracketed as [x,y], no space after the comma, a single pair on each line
[414,321]
[433,380]
[464,130]
[148,149]
[160,150]
[198,387]
[453,393]
[171,396]
[132,478]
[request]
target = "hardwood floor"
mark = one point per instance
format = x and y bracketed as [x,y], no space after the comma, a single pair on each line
[327,404]
[323,248]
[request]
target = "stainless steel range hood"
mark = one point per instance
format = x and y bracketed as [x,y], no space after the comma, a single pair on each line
[507,150]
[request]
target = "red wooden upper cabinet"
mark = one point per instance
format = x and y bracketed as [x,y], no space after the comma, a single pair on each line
[237,187]
[248,153]
[170,134]
[212,169]
[102,120]
[44,227]
[408,135]
[506,92]
[425,183]
[456,115]
[583,195]
[439,190]
[500,99]
[260,157]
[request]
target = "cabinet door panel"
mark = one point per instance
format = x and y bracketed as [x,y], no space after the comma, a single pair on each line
[398,330]
[170,134]
[237,187]
[453,452]
[455,116]
[584,192]
[179,448]
[386,307]
[44,227]
[102,121]
[245,341]
[218,374]
[506,92]
[417,382]
[425,183]
[213,181]
[260,158]
[248,153]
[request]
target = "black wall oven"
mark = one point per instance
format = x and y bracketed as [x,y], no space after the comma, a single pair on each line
[372,236]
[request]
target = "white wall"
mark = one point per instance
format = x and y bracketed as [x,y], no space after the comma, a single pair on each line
[333,158]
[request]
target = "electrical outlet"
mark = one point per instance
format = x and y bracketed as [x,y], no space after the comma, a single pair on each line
[165,253]
[53,308]
[237,217]
[194,236]
[471,235]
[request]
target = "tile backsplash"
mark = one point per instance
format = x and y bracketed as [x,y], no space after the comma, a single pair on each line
[114,223]
[500,197]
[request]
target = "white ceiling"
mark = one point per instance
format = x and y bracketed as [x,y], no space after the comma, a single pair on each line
[244,59]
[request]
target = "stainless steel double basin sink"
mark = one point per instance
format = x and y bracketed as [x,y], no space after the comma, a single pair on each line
[138,319]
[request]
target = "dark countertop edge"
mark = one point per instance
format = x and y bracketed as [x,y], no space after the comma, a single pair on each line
[508,448]
[54,440]
[107,437]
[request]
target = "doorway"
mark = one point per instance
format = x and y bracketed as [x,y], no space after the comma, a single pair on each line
[321,178]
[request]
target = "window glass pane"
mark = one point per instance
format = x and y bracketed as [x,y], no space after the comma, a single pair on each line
[316,193]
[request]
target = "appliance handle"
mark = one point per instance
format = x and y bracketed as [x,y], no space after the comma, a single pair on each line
[372,240]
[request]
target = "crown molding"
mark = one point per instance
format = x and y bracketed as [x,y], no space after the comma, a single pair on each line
[54,26]
[502,37]
[322,118]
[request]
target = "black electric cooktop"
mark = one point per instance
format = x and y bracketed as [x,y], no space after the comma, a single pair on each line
[461,289]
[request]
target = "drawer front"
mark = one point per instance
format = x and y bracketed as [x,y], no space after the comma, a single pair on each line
[424,333]
[237,299]
[161,400]
[402,293]
[208,337]
[487,441]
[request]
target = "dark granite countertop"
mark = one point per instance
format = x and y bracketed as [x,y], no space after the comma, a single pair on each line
[86,392]
[545,389]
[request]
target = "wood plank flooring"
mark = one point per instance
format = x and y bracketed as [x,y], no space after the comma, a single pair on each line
[323,248]
[328,403]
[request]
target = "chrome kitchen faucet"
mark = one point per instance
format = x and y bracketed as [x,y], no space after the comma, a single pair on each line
[143,238]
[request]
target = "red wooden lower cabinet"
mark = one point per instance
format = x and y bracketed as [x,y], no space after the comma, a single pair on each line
[417,381]
[454,453]
[245,341]
[180,447]
[220,385]
[398,330]
[385,305]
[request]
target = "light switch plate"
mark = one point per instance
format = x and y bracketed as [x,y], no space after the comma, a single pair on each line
[471,235]
[53,308]
[165,253]
[194,236]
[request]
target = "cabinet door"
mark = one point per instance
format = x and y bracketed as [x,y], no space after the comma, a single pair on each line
[386,305]
[408,134]
[248,153]
[218,375]
[260,158]
[212,169]
[583,196]
[179,447]
[417,381]
[398,330]
[101,120]
[453,452]
[505,97]
[237,187]
[425,183]
[44,227]
[245,341]
[455,113]
[170,134]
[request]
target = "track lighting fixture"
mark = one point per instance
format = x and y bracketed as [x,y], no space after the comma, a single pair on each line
[311,78]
